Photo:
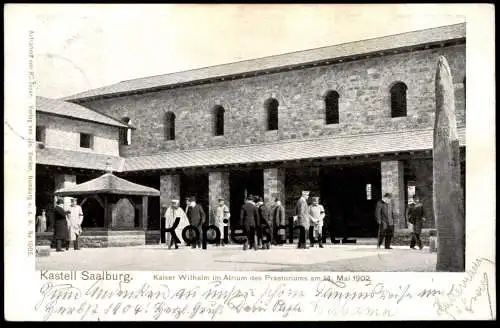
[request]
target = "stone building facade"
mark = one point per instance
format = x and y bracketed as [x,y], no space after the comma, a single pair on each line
[348,122]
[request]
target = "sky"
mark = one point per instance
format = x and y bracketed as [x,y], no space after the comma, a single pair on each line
[81,47]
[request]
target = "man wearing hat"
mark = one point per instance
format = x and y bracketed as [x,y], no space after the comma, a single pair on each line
[249,217]
[60,225]
[386,216]
[303,218]
[221,213]
[173,212]
[317,213]
[196,216]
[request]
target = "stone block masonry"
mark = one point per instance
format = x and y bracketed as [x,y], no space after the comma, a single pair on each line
[218,187]
[274,184]
[393,182]
[170,188]
[364,103]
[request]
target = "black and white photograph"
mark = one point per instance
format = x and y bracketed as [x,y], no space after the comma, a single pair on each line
[250,138]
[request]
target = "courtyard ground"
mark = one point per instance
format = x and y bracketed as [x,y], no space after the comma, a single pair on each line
[360,258]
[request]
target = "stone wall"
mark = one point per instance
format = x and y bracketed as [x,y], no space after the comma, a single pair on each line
[218,186]
[123,214]
[100,238]
[364,103]
[274,184]
[169,188]
[64,133]
[392,173]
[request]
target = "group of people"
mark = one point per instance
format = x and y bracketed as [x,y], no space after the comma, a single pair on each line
[67,225]
[386,216]
[195,216]
[257,217]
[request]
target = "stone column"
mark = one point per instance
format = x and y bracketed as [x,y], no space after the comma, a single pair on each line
[144,213]
[170,187]
[423,186]
[274,184]
[392,173]
[64,181]
[218,186]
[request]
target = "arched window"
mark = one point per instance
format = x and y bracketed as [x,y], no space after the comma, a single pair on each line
[219,120]
[126,134]
[332,107]
[271,106]
[398,99]
[169,126]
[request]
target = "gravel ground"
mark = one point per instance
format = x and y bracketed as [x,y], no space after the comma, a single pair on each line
[336,258]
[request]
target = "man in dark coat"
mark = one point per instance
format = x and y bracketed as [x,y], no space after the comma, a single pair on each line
[196,216]
[278,218]
[60,225]
[385,215]
[249,217]
[264,224]
[416,217]
[303,218]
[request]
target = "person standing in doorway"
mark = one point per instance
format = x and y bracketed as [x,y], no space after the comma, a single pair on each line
[303,218]
[415,216]
[249,217]
[60,225]
[74,224]
[173,212]
[196,216]
[41,221]
[221,213]
[385,215]
[188,204]
[317,213]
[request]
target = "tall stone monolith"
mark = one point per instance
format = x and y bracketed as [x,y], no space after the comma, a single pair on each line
[447,198]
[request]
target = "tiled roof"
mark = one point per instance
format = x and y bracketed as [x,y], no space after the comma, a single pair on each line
[68,109]
[108,183]
[365,144]
[77,159]
[392,42]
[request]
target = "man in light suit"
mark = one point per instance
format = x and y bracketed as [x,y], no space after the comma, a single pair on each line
[75,219]
[317,212]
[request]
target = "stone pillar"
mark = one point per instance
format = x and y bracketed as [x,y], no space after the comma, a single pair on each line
[423,187]
[170,187]
[144,213]
[64,181]
[218,186]
[274,184]
[392,173]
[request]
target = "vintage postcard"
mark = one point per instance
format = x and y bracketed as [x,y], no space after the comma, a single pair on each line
[249,162]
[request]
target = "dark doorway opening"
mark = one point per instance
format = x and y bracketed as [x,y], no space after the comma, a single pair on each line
[241,184]
[195,184]
[93,213]
[349,195]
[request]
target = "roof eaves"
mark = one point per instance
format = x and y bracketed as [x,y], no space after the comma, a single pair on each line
[450,28]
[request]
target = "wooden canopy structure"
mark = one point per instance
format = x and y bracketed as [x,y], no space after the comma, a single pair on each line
[106,185]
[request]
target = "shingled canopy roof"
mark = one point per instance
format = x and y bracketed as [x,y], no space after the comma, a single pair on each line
[108,183]
[292,60]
